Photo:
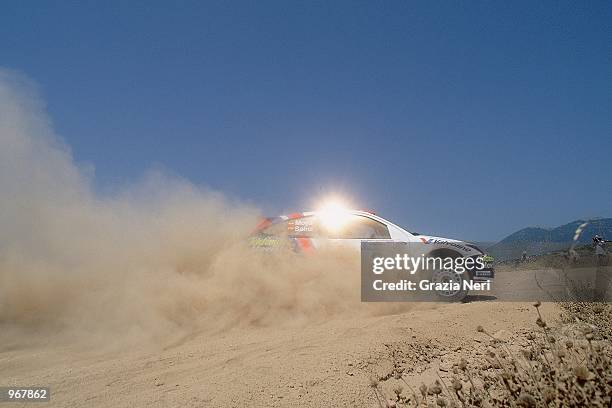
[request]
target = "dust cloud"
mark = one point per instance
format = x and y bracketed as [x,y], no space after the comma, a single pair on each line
[155,259]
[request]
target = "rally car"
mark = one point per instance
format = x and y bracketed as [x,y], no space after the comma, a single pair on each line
[307,231]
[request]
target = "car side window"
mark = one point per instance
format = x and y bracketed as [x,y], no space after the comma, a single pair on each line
[360,227]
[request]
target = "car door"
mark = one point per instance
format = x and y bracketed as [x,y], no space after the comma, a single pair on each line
[355,230]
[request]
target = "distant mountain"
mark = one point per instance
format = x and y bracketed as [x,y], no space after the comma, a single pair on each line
[537,240]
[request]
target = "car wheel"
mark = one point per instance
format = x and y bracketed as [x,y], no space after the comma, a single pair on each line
[452,279]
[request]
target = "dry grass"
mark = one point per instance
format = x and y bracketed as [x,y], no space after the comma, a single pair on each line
[547,368]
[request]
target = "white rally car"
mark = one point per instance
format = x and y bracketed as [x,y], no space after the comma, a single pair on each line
[306,231]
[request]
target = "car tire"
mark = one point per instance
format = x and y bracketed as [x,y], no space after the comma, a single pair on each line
[450,276]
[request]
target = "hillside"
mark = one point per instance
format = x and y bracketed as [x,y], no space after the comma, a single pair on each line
[536,240]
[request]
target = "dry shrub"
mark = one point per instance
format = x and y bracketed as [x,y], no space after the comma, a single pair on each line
[549,370]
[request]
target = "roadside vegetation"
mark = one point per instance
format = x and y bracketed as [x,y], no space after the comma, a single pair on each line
[566,365]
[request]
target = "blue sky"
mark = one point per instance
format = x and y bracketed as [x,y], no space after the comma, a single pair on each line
[466,119]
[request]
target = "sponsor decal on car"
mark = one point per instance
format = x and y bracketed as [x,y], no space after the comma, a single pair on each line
[264,241]
[301,225]
[436,241]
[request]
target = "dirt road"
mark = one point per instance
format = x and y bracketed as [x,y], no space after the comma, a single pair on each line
[316,365]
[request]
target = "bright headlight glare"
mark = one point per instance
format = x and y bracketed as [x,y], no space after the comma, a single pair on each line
[333,215]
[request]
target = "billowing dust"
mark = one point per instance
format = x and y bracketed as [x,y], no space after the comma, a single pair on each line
[156,259]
